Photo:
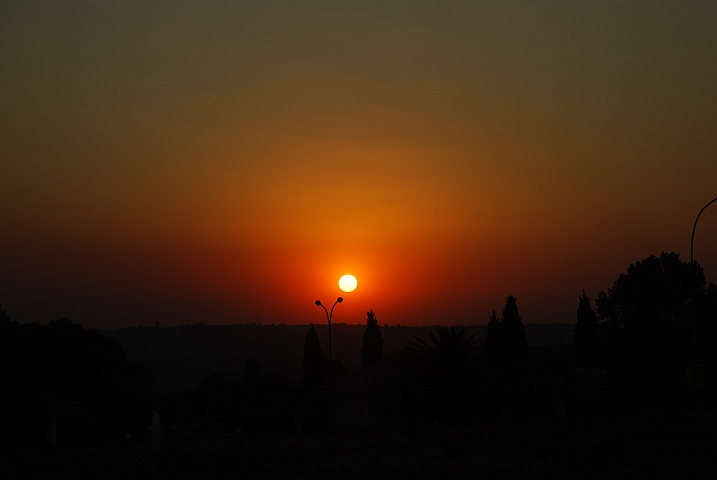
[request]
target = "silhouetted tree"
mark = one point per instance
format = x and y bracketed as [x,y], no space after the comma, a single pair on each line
[646,328]
[505,337]
[314,360]
[66,360]
[586,334]
[513,331]
[449,366]
[3,315]
[493,339]
[451,350]
[653,291]
[372,349]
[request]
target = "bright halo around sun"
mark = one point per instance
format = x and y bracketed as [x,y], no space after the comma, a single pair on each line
[348,283]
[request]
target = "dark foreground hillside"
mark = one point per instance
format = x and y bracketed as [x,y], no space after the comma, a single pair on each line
[679,446]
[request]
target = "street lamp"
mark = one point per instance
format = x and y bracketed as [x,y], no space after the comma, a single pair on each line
[692,265]
[329,315]
[328,318]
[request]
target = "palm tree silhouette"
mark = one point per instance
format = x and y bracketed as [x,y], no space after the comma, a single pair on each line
[449,368]
[451,349]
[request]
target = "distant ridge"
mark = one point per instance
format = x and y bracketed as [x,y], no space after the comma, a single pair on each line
[181,356]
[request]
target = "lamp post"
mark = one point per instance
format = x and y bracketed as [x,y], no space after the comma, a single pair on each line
[329,315]
[692,266]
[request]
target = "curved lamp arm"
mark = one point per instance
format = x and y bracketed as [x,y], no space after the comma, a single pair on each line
[319,304]
[338,300]
[692,241]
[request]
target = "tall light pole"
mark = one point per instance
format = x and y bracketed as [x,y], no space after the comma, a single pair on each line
[329,315]
[692,265]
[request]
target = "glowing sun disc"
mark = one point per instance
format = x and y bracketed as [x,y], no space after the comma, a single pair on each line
[348,283]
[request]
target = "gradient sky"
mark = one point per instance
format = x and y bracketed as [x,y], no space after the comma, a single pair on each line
[228,161]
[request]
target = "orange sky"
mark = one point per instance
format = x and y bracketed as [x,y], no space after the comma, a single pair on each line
[207,161]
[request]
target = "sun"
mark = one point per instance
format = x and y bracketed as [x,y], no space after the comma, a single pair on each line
[348,283]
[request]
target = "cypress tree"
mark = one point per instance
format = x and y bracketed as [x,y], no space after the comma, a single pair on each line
[314,360]
[372,349]
[586,335]
[511,324]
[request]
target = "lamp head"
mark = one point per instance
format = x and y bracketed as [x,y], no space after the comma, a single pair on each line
[340,299]
[318,303]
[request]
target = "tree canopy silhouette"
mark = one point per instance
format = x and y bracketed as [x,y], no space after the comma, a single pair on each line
[372,348]
[653,291]
[646,327]
[64,359]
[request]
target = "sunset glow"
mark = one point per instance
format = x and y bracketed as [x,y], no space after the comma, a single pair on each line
[225,163]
